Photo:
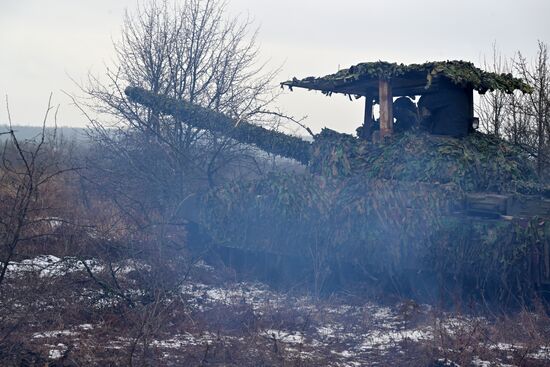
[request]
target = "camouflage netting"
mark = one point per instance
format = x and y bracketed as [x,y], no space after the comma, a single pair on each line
[267,140]
[392,209]
[289,213]
[386,227]
[460,73]
[478,162]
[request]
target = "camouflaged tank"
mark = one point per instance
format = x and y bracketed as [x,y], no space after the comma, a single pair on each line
[467,211]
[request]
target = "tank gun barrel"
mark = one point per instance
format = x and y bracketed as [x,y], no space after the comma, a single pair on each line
[270,141]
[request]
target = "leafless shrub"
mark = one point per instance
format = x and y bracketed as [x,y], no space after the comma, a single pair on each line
[515,338]
[28,168]
[31,210]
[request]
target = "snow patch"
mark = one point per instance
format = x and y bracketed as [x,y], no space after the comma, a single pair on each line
[54,334]
[382,340]
[187,339]
[49,266]
[478,362]
[542,354]
[284,336]
[58,352]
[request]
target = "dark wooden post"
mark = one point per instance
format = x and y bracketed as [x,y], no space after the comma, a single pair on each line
[386,107]
[367,120]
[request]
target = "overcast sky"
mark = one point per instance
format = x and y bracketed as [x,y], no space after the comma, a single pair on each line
[43,42]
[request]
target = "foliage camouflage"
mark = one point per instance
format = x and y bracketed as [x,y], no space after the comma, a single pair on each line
[387,227]
[478,162]
[388,208]
[289,209]
[392,209]
[267,140]
[461,73]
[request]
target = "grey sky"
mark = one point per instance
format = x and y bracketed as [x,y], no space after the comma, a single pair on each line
[44,41]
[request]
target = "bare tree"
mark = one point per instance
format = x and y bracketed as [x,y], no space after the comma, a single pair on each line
[492,109]
[535,107]
[522,119]
[190,50]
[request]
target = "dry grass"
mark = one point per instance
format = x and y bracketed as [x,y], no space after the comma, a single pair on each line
[66,319]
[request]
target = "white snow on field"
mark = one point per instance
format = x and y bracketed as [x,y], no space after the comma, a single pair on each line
[326,331]
[345,353]
[383,313]
[504,347]
[341,309]
[542,354]
[252,294]
[183,340]
[54,334]
[284,336]
[386,331]
[58,351]
[383,340]
[453,325]
[54,222]
[478,362]
[86,326]
[127,266]
[46,266]
[201,264]
[447,363]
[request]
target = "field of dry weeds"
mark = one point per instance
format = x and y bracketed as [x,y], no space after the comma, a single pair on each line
[68,320]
